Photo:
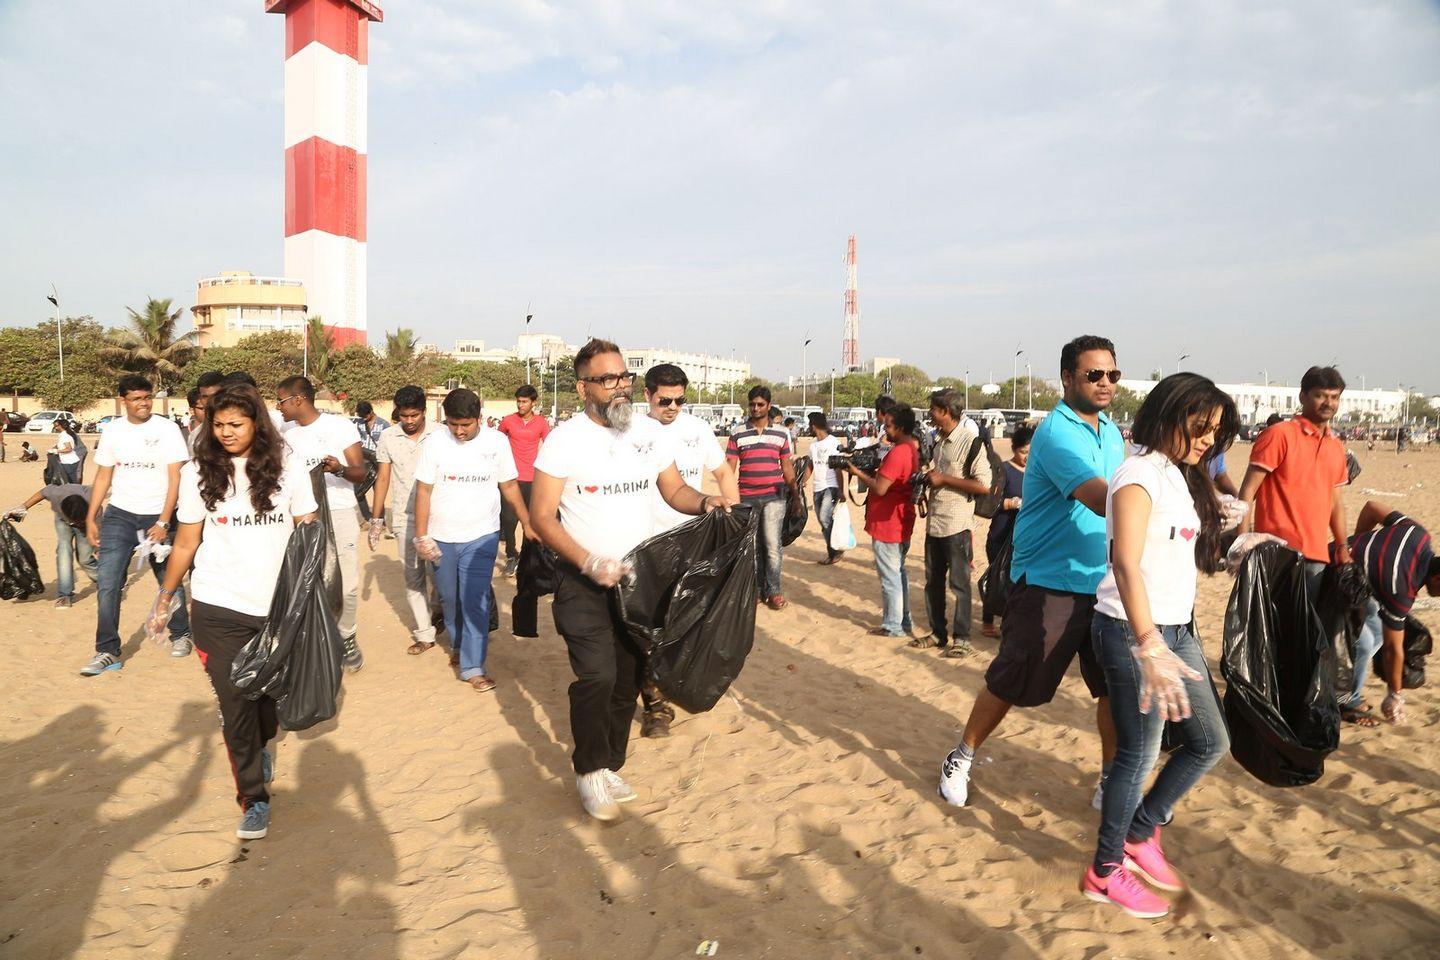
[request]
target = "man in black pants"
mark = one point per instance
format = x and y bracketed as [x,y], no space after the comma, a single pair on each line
[592,503]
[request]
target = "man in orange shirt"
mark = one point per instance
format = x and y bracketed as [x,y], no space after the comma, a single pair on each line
[1297,470]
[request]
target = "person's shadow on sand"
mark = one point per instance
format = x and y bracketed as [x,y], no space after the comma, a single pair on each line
[317,877]
[55,838]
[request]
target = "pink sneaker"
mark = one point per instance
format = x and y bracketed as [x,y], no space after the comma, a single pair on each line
[1148,860]
[1123,890]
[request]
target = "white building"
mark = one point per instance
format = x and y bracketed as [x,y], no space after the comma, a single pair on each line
[706,371]
[1256,402]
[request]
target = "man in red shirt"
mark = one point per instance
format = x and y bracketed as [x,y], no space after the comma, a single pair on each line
[526,430]
[890,519]
[1297,470]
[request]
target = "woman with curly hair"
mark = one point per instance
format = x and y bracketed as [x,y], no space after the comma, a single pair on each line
[239,500]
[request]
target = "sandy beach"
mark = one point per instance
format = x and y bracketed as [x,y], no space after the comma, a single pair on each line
[798,819]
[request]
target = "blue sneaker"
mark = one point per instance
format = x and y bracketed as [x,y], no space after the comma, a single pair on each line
[256,821]
[267,765]
[101,663]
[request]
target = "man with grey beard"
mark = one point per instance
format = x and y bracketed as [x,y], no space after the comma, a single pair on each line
[592,503]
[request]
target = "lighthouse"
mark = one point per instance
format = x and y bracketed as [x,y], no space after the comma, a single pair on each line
[326,56]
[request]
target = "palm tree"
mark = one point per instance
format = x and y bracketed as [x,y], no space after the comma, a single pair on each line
[320,343]
[400,345]
[150,345]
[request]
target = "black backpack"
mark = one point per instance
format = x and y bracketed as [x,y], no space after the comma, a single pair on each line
[989,504]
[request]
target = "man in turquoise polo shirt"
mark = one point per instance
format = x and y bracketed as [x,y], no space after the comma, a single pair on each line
[1058,562]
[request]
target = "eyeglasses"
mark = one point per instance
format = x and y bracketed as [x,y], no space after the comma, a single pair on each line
[281,401]
[670,401]
[610,381]
[1095,376]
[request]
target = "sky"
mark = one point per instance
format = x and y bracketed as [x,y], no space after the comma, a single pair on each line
[1252,183]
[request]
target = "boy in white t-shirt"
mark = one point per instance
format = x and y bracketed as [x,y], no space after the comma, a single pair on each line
[324,438]
[825,482]
[138,463]
[462,475]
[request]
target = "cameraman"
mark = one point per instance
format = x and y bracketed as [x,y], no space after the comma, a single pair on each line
[954,482]
[825,482]
[890,518]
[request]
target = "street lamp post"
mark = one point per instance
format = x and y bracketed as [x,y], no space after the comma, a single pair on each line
[832,389]
[1179,360]
[1030,385]
[966,402]
[59,339]
[804,371]
[1015,379]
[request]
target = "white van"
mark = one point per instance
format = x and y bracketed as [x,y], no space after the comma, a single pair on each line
[44,421]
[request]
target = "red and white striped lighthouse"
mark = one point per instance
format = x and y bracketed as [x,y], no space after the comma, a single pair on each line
[326,53]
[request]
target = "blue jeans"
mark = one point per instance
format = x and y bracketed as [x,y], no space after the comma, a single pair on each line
[768,552]
[118,540]
[70,545]
[1126,814]
[825,513]
[894,586]
[463,579]
[1370,639]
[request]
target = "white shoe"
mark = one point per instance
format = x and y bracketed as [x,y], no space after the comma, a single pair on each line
[619,789]
[1098,800]
[181,647]
[595,795]
[955,779]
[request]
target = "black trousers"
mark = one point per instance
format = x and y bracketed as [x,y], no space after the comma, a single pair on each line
[947,566]
[509,519]
[247,725]
[607,666]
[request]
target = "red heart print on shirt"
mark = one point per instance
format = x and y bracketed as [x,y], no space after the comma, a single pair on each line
[591,489]
[222,519]
[449,478]
[1187,532]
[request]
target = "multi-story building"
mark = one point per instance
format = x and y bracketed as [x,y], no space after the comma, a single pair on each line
[706,371]
[236,304]
[1256,402]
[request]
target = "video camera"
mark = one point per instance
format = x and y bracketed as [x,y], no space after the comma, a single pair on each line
[865,459]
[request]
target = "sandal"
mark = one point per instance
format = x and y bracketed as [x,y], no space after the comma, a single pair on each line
[482,684]
[925,642]
[417,648]
[958,650]
[1359,717]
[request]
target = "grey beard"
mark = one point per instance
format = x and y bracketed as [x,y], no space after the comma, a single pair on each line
[617,413]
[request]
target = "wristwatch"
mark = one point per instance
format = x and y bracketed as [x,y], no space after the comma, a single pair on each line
[163,524]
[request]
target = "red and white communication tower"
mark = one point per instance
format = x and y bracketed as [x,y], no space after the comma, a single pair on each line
[850,342]
[326,101]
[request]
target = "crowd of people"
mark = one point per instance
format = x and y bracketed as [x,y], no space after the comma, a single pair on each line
[1106,543]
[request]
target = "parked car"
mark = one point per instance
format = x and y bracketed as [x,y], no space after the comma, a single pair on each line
[44,421]
[15,422]
[100,424]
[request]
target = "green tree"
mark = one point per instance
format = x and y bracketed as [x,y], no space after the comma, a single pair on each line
[400,345]
[88,376]
[320,343]
[1125,404]
[268,357]
[149,345]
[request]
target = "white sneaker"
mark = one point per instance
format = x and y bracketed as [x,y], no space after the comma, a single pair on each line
[181,647]
[595,795]
[1098,800]
[619,789]
[955,779]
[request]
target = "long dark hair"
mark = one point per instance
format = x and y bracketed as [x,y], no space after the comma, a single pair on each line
[1165,417]
[263,464]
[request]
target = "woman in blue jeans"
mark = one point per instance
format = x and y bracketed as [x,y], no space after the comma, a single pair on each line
[1163,523]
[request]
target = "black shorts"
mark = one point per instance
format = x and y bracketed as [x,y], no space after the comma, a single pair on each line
[1042,632]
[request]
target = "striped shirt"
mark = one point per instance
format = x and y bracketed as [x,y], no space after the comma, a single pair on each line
[760,453]
[1395,556]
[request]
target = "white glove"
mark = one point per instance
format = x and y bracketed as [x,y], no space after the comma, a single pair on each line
[1242,546]
[1162,680]
[427,549]
[1393,706]
[376,531]
[1232,511]
[16,513]
[606,571]
[158,623]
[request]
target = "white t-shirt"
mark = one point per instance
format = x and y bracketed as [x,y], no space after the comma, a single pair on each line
[141,453]
[328,436]
[610,477]
[466,477]
[1167,565]
[65,448]
[823,478]
[241,551]
[697,453]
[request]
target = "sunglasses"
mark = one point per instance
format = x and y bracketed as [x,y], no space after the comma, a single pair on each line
[670,401]
[610,381]
[1095,376]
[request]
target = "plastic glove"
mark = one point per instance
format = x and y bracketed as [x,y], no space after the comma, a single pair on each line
[16,513]
[606,571]
[427,549]
[1393,706]
[1162,680]
[1232,511]
[376,531]
[157,625]
[1242,546]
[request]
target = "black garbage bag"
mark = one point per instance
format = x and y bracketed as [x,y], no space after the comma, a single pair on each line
[1344,595]
[54,471]
[1279,668]
[19,573]
[797,511]
[1418,645]
[295,658]
[690,605]
[535,574]
[995,582]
